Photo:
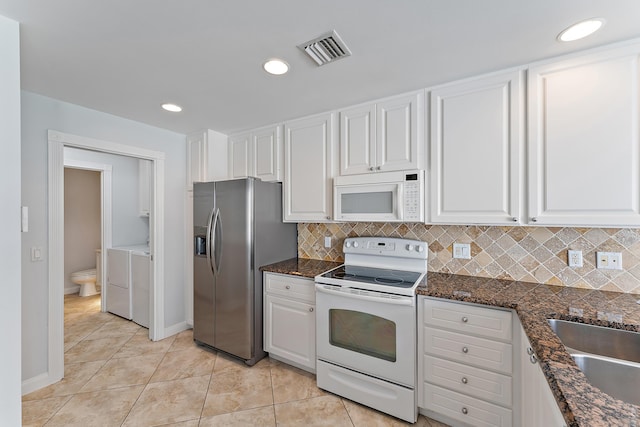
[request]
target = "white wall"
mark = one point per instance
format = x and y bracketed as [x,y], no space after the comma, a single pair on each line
[10,386]
[81,222]
[40,114]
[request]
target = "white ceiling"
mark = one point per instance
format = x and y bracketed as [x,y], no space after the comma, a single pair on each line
[126,57]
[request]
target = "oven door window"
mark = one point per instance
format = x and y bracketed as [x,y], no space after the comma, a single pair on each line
[363,333]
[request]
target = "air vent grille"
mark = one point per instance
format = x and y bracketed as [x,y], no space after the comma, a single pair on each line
[327,48]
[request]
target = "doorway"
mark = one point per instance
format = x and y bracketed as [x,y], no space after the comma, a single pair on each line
[57,142]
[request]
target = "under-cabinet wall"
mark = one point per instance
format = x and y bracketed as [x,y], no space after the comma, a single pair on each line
[528,254]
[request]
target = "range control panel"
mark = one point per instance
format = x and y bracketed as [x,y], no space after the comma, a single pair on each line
[386,246]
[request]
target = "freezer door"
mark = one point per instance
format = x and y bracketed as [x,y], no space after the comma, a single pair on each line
[233,261]
[203,278]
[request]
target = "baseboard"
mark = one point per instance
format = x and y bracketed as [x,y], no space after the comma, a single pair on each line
[72,290]
[37,382]
[175,329]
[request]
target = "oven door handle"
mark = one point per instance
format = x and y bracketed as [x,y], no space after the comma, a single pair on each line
[369,296]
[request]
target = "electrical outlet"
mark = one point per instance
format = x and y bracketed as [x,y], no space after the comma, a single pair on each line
[609,260]
[327,241]
[575,258]
[462,250]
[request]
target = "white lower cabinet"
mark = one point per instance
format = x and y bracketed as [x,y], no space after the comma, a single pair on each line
[465,363]
[290,320]
[537,403]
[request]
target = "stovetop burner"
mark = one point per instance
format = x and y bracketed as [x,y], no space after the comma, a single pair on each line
[388,277]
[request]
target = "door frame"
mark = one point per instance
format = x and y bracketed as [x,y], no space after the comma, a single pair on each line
[56,143]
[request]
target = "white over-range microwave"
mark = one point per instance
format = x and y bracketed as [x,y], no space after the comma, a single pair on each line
[380,197]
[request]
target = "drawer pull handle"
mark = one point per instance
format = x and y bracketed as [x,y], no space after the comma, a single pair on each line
[465,411]
[464,380]
[311,309]
[465,350]
[288,287]
[533,359]
[465,319]
[529,351]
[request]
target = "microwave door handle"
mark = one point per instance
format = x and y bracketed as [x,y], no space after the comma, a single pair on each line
[400,204]
[360,297]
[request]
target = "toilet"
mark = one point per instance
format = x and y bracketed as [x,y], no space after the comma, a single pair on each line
[87,281]
[87,278]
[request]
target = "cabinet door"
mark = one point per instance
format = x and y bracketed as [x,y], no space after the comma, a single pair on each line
[266,153]
[290,330]
[196,155]
[538,405]
[309,168]
[400,132]
[240,156]
[476,150]
[583,140]
[144,187]
[357,140]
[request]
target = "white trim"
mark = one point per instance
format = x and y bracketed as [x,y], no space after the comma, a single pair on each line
[177,328]
[35,383]
[106,226]
[57,142]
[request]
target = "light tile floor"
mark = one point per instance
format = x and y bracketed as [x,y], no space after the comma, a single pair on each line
[116,376]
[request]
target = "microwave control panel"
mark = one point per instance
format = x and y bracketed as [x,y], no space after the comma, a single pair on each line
[412,206]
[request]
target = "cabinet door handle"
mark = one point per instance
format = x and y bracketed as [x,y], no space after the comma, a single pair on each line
[465,319]
[377,168]
[514,219]
[533,359]
[287,287]
[534,219]
[464,380]
[465,411]
[310,309]
[529,351]
[327,217]
[371,168]
[465,350]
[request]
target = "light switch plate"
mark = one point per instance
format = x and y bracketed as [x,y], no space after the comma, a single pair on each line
[462,250]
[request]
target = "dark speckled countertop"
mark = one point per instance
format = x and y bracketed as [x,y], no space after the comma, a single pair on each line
[581,403]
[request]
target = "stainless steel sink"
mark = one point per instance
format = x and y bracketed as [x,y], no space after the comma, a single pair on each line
[617,378]
[599,340]
[609,358]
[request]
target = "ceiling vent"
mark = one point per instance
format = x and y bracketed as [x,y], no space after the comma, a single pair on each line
[327,48]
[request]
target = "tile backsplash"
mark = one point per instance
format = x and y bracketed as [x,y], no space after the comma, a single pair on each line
[528,254]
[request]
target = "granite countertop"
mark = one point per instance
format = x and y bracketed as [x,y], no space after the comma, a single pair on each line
[580,402]
[302,267]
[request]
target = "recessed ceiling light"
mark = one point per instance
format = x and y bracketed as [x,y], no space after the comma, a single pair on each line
[172,107]
[276,66]
[581,29]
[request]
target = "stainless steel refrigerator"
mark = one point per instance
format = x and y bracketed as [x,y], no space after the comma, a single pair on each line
[237,228]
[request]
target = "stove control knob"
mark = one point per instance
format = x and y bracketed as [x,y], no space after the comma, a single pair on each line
[409,247]
[356,244]
[419,248]
[347,244]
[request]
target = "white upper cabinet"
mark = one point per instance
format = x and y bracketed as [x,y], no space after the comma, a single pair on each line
[239,152]
[584,140]
[384,136]
[257,153]
[477,150]
[206,157]
[309,151]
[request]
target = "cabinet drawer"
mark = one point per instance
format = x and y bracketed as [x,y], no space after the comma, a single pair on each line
[465,409]
[479,352]
[486,385]
[469,319]
[292,287]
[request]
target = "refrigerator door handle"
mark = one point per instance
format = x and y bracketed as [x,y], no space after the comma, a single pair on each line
[217,249]
[209,245]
